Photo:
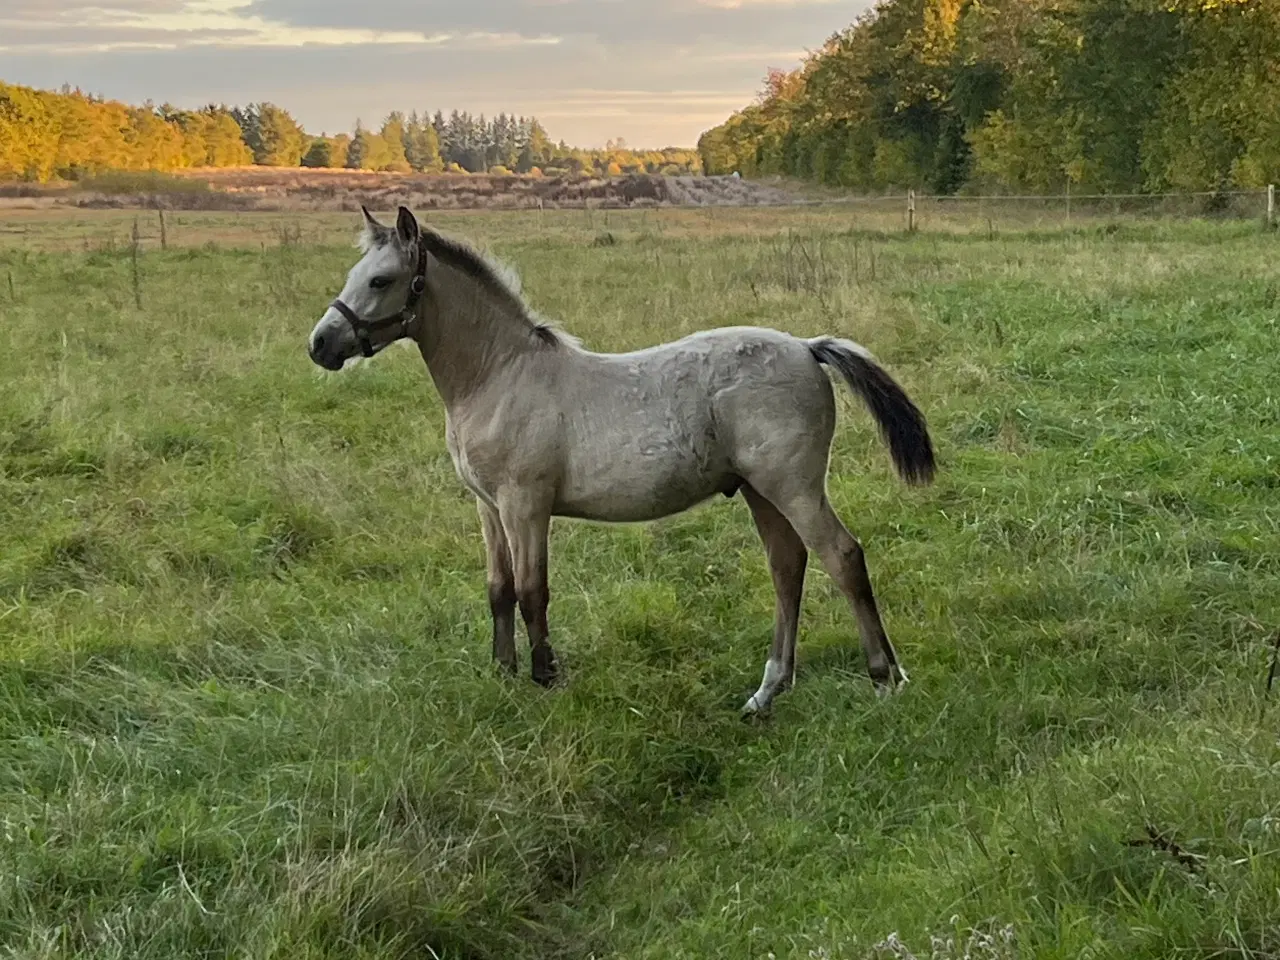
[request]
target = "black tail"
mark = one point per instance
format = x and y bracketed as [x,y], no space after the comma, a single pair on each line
[901,423]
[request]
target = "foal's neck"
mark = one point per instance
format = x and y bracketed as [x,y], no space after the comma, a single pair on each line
[468,335]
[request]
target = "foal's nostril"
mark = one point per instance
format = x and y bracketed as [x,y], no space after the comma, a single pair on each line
[318,345]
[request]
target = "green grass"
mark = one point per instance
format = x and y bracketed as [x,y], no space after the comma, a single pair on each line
[246,704]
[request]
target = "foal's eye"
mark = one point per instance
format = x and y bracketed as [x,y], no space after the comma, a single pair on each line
[380,283]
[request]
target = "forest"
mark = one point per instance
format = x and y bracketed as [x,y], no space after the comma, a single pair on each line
[1041,96]
[69,134]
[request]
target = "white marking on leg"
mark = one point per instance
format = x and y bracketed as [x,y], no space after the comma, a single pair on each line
[898,679]
[774,675]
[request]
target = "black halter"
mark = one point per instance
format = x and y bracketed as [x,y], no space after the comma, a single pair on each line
[362,328]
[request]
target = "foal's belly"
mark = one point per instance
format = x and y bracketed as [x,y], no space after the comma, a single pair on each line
[643,452]
[637,511]
[638,497]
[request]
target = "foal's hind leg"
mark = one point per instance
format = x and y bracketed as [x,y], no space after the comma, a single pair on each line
[502,588]
[822,532]
[787,558]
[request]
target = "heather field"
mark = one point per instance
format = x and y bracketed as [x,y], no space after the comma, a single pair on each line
[303,190]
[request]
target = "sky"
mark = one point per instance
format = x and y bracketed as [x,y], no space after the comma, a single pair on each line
[653,72]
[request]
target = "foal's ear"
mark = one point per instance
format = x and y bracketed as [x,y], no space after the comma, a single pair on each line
[371,223]
[407,227]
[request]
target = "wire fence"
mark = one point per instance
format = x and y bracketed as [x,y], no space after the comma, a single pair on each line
[991,212]
[1068,209]
[758,209]
[913,211]
[1247,204]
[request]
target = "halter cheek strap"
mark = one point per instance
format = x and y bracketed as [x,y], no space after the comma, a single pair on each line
[407,315]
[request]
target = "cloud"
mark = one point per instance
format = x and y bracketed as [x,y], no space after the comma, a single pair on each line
[656,73]
[173,24]
[739,4]
[625,25]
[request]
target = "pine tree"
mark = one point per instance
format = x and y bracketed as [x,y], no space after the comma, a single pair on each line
[453,143]
[319,154]
[246,119]
[411,132]
[358,148]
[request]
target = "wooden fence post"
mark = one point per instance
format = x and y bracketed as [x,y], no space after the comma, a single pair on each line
[1271,205]
[133,248]
[911,211]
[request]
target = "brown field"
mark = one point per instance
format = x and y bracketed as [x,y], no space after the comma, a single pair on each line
[51,228]
[298,189]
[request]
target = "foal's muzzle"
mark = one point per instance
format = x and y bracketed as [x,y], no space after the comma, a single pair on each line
[316,351]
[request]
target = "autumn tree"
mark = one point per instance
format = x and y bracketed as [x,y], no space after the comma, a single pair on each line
[1108,95]
[536,147]
[1217,123]
[280,140]
[223,144]
[68,134]
[422,145]
[29,134]
[93,135]
[392,154]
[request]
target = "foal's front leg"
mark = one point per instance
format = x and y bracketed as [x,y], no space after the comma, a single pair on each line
[526,526]
[502,588]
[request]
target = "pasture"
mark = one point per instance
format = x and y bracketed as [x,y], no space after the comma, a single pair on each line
[246,702]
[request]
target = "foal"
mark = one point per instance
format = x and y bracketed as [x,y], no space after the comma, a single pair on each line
[538,426]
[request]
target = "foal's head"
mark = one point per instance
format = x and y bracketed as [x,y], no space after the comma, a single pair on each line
[377,305]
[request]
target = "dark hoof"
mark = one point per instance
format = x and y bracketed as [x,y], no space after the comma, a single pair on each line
[506,668]
[546,671]
[889,681]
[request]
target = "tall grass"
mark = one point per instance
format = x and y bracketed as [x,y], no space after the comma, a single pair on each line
[246,704]
[140,182]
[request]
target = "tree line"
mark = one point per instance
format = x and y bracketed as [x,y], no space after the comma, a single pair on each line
[69,134]
[1034,95]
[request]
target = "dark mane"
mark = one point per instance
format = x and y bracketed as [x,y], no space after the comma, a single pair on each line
[459,256]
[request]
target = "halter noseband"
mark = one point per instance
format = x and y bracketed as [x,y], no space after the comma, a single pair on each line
[362,328]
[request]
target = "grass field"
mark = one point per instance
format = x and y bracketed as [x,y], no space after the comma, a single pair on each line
[246,704]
